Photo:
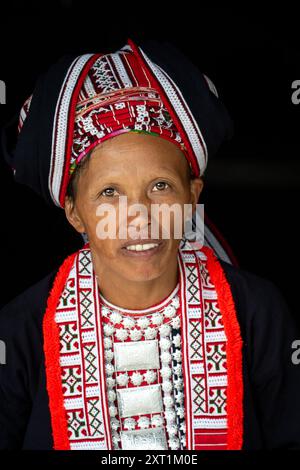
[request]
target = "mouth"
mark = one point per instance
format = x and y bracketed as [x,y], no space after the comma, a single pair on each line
[143,248]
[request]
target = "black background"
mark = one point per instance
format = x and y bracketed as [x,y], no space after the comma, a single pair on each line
[251,187]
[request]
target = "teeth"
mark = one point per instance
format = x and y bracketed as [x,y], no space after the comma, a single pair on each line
[141,247]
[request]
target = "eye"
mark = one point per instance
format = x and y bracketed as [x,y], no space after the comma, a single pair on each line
[109,192]
[161,185]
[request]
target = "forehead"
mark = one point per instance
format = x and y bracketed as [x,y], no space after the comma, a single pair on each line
[131,150]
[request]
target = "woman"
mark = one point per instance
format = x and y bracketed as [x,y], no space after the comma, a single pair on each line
[142,341]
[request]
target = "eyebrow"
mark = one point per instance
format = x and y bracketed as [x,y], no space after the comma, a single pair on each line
[113,173]
[167,169]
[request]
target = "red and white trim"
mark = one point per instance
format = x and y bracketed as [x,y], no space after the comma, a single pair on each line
[63,125]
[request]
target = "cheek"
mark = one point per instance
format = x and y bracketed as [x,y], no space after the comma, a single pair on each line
[102,234]
[106,248]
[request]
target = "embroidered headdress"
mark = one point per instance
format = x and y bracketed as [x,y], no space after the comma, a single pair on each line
[83,100]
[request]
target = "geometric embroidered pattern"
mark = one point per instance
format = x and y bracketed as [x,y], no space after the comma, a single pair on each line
[207,355]
[79,359]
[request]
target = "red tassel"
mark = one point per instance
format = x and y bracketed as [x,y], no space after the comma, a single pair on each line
[234,345]
[51,351]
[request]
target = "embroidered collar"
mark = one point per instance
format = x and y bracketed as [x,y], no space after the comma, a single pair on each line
[146,311]
[211,349]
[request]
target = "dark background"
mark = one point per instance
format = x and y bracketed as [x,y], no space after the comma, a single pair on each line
[252,185]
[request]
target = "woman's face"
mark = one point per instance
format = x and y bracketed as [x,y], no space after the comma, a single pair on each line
[148,170]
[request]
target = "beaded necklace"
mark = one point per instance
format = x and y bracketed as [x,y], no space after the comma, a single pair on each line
[130,336]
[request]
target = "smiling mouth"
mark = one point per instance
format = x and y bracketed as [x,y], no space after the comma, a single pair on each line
[143,249]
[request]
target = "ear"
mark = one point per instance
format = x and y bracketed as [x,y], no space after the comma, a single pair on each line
[196,189]
[73,216]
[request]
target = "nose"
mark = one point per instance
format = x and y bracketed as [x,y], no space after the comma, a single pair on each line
[139,217]
[138,229]
[136,220]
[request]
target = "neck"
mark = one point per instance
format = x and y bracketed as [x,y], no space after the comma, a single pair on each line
[137,295]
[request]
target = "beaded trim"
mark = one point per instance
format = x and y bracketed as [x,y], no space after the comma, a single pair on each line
[164,323]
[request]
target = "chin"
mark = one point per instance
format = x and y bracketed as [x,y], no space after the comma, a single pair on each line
[142,275]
